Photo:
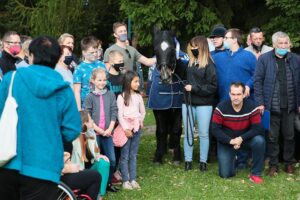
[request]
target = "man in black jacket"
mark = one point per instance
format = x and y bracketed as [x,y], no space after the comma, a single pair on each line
[11,47]
[276,88]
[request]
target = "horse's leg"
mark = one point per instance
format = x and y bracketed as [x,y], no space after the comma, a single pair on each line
[161,134]
[176,132]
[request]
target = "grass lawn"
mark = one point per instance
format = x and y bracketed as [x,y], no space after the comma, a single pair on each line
[172,182]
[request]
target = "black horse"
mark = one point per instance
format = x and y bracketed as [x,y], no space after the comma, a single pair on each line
[165,96]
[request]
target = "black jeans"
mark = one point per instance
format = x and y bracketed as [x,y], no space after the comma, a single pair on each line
[14,186]
[88,180]
[282,123]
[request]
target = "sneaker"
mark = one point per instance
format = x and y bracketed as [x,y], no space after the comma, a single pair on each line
[127,186]
[273,171]
[203,166]
[115,181]
[117,175]
[289,169]
[188,166]
[135,185]
[256,179]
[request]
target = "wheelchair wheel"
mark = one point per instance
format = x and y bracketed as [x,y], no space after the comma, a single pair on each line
[64,192]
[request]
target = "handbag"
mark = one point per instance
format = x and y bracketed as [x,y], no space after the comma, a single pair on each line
[8,127]
[119,137]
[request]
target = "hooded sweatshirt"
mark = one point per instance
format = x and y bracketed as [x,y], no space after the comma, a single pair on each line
[47,115]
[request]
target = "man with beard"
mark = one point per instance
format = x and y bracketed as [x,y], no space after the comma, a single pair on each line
[257,39]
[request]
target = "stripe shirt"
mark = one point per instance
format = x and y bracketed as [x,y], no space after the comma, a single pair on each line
[228,124]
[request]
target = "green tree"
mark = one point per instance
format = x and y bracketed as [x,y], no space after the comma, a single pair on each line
[286,18]
[185,18]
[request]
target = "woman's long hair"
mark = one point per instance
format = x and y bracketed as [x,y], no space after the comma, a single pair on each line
[128,77]
[84,115]
[204,55]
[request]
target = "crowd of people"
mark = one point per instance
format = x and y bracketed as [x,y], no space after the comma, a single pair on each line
[80,119]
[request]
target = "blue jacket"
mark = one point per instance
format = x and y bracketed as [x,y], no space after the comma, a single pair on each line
[265,78]
[231,67]
[47,114]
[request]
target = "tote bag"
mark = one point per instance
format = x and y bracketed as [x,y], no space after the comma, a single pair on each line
[119,137]
[8,127]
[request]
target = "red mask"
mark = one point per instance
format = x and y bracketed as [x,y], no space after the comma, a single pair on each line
[15,49]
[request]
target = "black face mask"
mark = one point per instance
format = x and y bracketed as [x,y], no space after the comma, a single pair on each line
[257,48]
[118,67]
[195,52]
[68,60]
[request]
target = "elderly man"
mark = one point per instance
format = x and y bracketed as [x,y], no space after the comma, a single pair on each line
[257,39]
[276,84]
[11,48]
[236,125]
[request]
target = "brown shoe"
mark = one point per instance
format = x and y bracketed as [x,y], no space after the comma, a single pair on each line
[273,171]
[289,169]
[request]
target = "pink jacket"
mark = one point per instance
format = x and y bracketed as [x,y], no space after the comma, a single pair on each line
[132,116]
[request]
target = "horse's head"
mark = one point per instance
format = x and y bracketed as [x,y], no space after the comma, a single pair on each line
[165,51]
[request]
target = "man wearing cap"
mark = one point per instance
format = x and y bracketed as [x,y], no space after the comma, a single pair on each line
[217,38]
[257,39]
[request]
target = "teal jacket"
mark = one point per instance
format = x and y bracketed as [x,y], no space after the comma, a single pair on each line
[47,115]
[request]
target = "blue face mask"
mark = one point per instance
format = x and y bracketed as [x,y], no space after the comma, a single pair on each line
[281,52]
[226,45]
[211,46]
[123,37]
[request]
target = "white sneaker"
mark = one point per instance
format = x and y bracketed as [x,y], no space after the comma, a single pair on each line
[135,185]
[127,186]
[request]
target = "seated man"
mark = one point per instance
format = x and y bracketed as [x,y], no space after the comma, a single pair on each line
[236,124]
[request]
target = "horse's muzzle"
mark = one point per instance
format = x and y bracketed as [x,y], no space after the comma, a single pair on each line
[166,74]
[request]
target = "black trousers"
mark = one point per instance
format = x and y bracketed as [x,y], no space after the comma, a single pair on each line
[283,124]
[168,122]
[14,186]
[88,180]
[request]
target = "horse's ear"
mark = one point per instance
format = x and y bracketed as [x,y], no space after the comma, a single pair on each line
[156,30]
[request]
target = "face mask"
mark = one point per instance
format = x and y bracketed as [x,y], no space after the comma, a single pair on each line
[118,67]
[226,45]
[123,37]
[14,50]
[195,52]
[211,47]
[281,52]
[68,60]
[257,48]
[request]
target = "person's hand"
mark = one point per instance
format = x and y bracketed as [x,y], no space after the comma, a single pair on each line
[107,132]
[99,156]
[188,88]
[236,141]
[236,147]
[247,91]
[74,168]
[128,133]
[261,109]
[142,125]
[90,124]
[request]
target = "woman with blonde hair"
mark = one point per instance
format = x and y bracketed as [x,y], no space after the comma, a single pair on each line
[199,99]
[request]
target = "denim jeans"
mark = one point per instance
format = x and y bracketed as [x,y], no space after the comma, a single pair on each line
[227,156]
[128,157]
[202,114]
[106,146]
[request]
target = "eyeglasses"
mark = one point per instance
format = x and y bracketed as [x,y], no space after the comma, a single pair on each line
[226,38]
[10,42]
[255,30]
[128,53]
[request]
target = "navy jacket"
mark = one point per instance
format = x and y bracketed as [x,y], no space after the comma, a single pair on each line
[265,77]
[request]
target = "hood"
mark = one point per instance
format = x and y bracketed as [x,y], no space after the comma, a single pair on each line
[42,81]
